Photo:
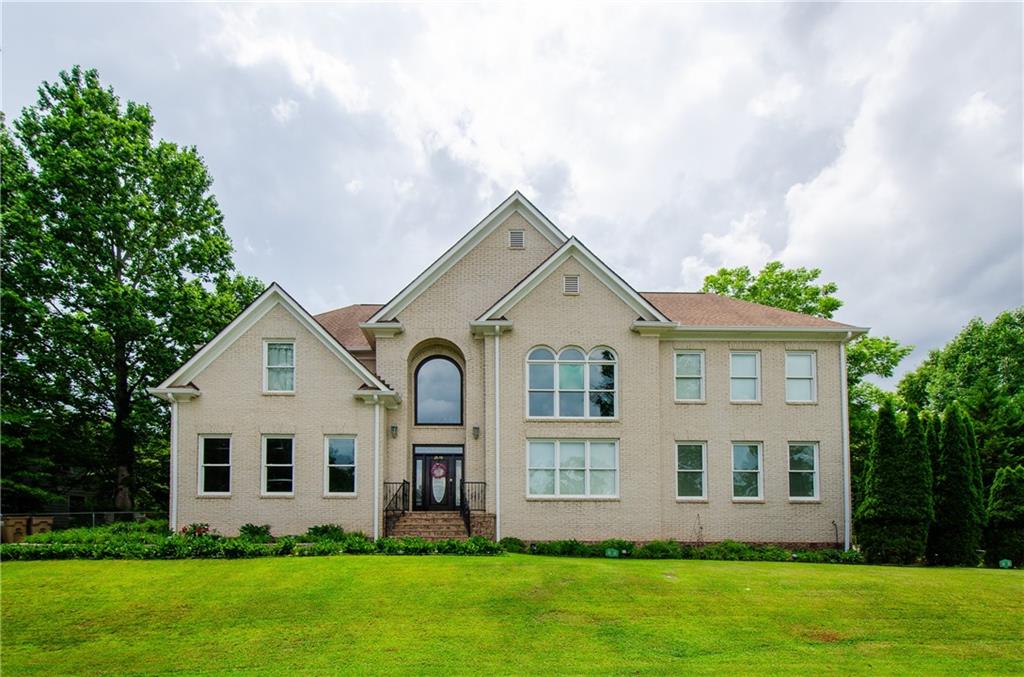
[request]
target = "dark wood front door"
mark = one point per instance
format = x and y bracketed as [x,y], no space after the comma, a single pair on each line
[437,474]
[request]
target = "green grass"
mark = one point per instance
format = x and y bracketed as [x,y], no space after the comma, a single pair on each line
[509,614]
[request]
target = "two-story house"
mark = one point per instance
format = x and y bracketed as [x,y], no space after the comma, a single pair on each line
[518,387]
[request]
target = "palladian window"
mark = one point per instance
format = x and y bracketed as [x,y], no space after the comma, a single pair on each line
[438,392]
[572,384]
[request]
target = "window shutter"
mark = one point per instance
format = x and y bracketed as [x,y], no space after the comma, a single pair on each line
[516,239]
[570,284]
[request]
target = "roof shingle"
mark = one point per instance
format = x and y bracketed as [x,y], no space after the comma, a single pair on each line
[698,309]
[343,324]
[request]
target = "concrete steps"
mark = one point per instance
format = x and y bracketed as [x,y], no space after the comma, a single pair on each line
[431,525]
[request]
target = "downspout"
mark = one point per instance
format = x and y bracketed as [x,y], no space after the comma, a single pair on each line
[172,516]
[497,433]
[376,468]
[847,499]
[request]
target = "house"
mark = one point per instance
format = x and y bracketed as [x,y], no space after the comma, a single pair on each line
[518,387]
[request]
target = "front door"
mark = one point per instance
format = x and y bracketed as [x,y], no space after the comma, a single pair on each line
[437,473]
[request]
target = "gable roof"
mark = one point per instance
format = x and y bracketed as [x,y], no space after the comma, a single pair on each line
[595,266]
[698,309]
[343,324]
[272,296]
[515,202]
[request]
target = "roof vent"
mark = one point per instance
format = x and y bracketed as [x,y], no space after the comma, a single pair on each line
[516,239]
[571,284]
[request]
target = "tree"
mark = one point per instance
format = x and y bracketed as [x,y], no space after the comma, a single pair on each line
[115,264]
[894,515]
[933,424]
[792,289]
[1004,534]
[955,536]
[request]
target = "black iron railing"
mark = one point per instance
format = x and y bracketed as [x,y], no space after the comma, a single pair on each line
[396,503]
[472,498]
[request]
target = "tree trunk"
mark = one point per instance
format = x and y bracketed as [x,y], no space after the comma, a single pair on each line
[124,436]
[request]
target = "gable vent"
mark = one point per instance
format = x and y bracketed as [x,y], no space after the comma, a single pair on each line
[570,284]
[516,239]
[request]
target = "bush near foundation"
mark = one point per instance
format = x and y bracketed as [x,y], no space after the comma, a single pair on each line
[1004,533]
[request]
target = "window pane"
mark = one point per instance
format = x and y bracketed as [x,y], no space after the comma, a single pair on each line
[690,456]
[572,455]
[279,478]
[602,354]
[570,482]
[602,377]
[744,457]
[570,376]
[801,484]
[438,392]
[798,366]
[542,454]
[279,450]
[602,482]
[801,457]
[602,404]
[743,389]
[602,455]
[341,451]
[687,388]
[541,354]
[688,364]
[798,390]
[216,450]
[542,404]
[744,484]
[542,482]
[570,404]
[217,478]
[690,484]
[542,376]
[341,480]
[744,364]
[281,378]
[280,355]
[571,354]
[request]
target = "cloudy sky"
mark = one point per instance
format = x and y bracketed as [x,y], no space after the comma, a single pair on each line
[351,144]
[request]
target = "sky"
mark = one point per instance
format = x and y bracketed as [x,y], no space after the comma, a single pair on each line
[350,145]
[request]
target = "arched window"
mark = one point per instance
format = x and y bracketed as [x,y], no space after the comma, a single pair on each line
[438,392]
[571,384]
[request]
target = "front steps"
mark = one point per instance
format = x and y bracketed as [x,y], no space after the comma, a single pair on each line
[434,525]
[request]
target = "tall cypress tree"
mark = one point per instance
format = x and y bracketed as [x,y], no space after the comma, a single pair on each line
[956,535]
[1004,533]
[893,517]
[933,425]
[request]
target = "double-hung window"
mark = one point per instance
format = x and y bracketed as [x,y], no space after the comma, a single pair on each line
[803,471]
[691,471]
[745,376]
[690,376]
[214,465]
[747,481]
[800,377]
[279,366]
[573,468]
[278,465]
[339,465]
[571,384]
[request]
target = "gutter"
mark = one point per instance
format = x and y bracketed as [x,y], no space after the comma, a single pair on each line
[845,417]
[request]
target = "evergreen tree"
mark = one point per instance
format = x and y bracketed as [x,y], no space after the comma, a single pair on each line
[956,535]
[1004,534]
[893,518]
[934,424]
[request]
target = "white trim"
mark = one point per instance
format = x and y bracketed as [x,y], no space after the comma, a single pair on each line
[816,473]
[376,470]
[327,466]
[273,296]
[675,331]
[267,366]
[813,378]
[515,203]
[172,511]
[497,433]
[263,466]
[703,472]
[757,376]
[676,376]
[586,442]
[575,249]
[845,425]
[176,394]
[201,465]
[760,472]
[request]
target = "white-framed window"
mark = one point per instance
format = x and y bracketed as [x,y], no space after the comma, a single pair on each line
[278,476]
[803,471]
[279,366]
[571,384]
[516,239]
[745,376]
[691,471]
[339,465]
[214,465]
[747,475]
[571,468]
[689,375]
[801,376]
[571,285]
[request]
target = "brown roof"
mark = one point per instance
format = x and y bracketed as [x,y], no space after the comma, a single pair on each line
[343,324]
[711,310]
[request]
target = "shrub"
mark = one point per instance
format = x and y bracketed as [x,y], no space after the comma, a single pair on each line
[284,546]
[1004,534]
[571,548]
[624,548]
[150,531]
[658,550]
[196,529]
[478,545]
[325,532]
[509,544]
[358,544]
[255,533]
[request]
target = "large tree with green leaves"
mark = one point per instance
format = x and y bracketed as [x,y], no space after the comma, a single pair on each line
[790,288]
[1004,533]
[115,264]
[955,536]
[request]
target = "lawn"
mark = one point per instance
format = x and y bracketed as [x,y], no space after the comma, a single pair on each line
[508,614]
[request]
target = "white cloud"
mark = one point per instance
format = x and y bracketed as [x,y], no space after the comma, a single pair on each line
[354,187]
[740,246]
[284,110]
[980,112]
[779,100]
